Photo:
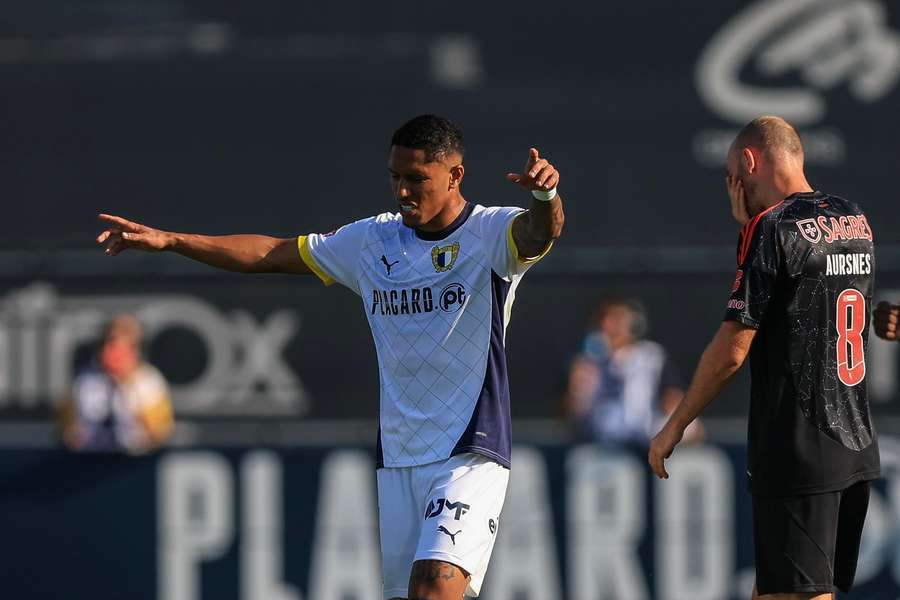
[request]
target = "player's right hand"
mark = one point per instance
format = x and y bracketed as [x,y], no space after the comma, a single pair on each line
[538,173]
[738,199]
[887,321]
[661,447]
[122,234]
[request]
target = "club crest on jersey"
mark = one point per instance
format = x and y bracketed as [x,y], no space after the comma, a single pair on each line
[443,257]
[809,230]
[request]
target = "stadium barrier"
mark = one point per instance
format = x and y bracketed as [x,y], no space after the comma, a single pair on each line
[580,523]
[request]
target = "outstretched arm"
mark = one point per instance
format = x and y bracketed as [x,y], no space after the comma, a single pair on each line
[719,363]
[542,223]
[242,253]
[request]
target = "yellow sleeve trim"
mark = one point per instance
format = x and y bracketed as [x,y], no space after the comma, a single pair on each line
[307,257]
[515,250]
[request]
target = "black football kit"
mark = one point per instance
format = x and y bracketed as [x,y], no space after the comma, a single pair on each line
[805,281]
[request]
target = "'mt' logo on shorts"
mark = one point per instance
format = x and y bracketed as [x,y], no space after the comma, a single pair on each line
[435,507]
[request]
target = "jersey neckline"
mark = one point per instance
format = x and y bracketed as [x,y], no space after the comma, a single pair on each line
[434,236]
[805,195]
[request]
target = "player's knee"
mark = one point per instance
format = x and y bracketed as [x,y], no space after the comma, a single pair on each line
[437,580]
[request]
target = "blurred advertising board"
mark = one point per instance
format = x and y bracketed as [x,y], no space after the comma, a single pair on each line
[580,523]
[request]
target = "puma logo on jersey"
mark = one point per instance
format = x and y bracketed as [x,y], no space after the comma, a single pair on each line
[388,265]
[443,529]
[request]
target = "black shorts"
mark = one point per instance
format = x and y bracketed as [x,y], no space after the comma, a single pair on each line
[808,543]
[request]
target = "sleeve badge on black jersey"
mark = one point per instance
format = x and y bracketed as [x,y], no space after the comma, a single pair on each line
[810,230]
[443,257]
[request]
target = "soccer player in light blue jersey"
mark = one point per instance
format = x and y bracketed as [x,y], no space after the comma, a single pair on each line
[437,281]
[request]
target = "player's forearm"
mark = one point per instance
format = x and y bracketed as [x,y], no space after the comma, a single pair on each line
[244,253]
[718,365]
[540,225]
[545,220]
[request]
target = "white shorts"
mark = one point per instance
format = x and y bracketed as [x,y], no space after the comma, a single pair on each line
[448,511]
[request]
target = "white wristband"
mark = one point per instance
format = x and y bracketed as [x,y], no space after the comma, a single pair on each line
[544,196]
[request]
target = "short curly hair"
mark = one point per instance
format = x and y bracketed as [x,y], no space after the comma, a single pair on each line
[437,136]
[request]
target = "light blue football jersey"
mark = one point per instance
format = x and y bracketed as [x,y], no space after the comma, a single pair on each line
[438,306]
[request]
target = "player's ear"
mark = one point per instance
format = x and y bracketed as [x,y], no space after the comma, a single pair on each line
[456,176]
[749,159]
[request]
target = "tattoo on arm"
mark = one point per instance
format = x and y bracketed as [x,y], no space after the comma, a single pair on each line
[535,229]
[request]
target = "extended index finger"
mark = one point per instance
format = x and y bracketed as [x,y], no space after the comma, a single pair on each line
[533,157]
[115,220]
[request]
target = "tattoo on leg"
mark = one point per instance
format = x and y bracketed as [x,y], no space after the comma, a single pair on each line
[433,570]
[431,579]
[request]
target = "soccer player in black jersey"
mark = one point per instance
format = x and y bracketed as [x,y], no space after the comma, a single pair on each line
[799,306]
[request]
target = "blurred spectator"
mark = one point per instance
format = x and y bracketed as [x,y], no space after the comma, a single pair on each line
[621,387]
[119,402]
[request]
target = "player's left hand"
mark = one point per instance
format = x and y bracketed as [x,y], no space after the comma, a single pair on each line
[887,321]
[738,198]
[538,173]
[661,447]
